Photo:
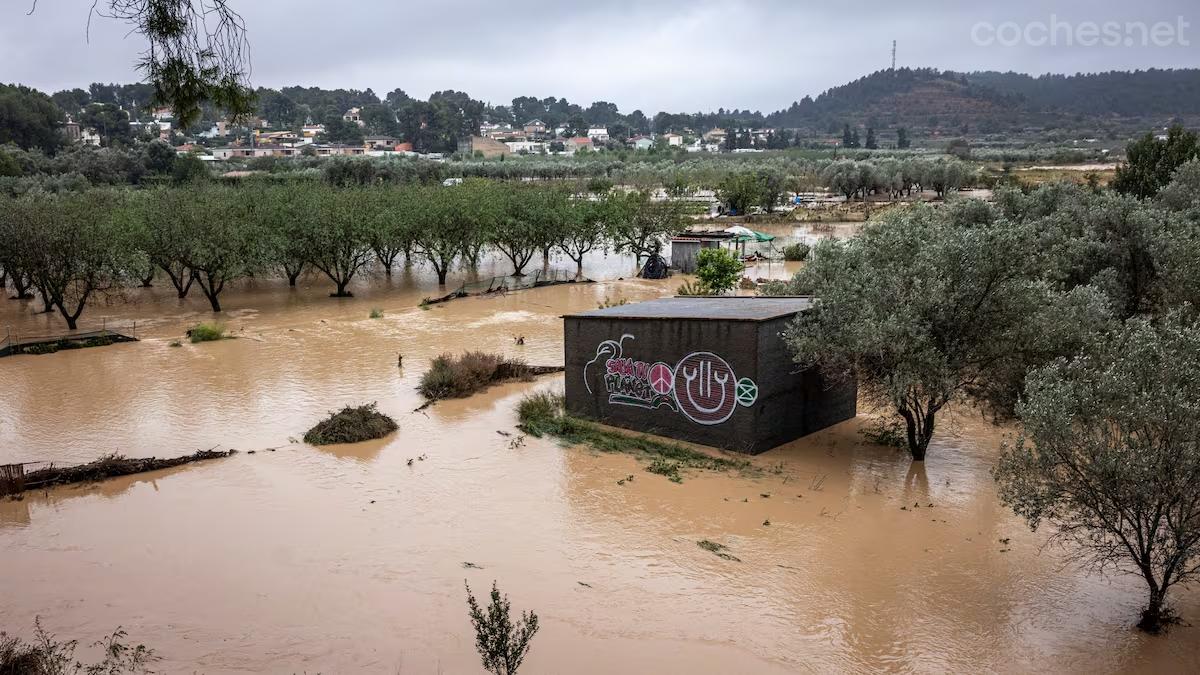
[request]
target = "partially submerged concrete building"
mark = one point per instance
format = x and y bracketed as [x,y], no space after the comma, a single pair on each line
[711,370]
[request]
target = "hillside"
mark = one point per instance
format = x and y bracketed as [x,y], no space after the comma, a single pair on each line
[1123,93]
[927,97]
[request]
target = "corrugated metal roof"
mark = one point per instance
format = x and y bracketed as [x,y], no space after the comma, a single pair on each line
[731,308]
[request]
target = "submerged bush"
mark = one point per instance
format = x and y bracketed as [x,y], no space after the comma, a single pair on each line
[351,425]
[47,656]
[207,332]
[457,377]
[501,642]
[797,251]
[376,313]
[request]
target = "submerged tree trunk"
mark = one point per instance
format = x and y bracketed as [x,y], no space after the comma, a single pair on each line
[1155,615]
[47,303]
[148,278]
[21,285]
[181,279]
[920,432]
[210,287]
[72,317]
[293,273]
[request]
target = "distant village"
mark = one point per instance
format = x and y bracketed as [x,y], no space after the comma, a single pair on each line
[258,138]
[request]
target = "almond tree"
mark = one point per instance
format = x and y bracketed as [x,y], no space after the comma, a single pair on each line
[337,234]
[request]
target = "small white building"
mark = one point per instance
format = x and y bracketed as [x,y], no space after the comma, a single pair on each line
[673,139]
[598,134]
[526,147]
[641,142]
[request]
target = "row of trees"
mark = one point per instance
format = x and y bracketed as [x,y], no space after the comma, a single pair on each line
[71,247]
[1072,310]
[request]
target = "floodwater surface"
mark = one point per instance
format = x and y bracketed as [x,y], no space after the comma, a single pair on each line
[352,559]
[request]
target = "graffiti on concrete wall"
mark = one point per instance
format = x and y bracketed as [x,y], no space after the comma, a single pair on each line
[701,386]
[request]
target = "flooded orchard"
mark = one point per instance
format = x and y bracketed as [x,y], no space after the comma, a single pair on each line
[352,558]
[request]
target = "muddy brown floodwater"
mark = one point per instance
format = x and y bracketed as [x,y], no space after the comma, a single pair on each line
[348,559]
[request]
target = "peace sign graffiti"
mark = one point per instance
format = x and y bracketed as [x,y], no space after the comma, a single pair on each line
[662,378]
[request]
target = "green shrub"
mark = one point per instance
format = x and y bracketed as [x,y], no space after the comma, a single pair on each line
[376,313]
[207,332]
[351,425]
[457,377]
[718,269]
[797,251]
[45,655]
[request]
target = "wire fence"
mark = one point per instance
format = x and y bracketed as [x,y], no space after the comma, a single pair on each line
[16,342]
[504,284]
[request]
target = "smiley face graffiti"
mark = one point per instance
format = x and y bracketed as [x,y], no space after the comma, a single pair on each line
[705,388]
[702,385]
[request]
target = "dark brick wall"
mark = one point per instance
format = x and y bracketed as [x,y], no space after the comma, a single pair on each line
[790,404]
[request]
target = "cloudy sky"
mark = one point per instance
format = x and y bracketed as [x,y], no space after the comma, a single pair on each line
[678,55]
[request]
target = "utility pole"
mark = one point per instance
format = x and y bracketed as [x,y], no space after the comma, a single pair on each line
[893,56]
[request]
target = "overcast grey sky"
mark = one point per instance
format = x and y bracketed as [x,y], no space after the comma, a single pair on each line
[677,55]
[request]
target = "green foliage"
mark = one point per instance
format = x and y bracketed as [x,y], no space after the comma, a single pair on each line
[797,251]
[922,311]
[1110,454]
[196,54]
[351,425]
[457,377]
[1151,162]
[71,247]
[665,467]
[210,331]
[376,313]
[718,269]
[46,655]
[543,413]
[502,644]
[692,288]
[886,432]
[741,191]
[29,119]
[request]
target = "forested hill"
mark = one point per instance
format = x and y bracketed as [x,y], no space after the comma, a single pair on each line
[923,97]
[1125,93]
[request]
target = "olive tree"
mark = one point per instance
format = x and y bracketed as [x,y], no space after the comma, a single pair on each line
[923,312]
[1110,456]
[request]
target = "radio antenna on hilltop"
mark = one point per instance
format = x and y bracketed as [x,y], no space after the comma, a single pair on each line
[893,55]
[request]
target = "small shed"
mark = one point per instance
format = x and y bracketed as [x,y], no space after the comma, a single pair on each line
[710,370]
[685,248]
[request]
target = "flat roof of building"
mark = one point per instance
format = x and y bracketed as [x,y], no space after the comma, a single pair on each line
[722,308]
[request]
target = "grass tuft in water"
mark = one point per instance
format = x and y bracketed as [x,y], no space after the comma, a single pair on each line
[209,331]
